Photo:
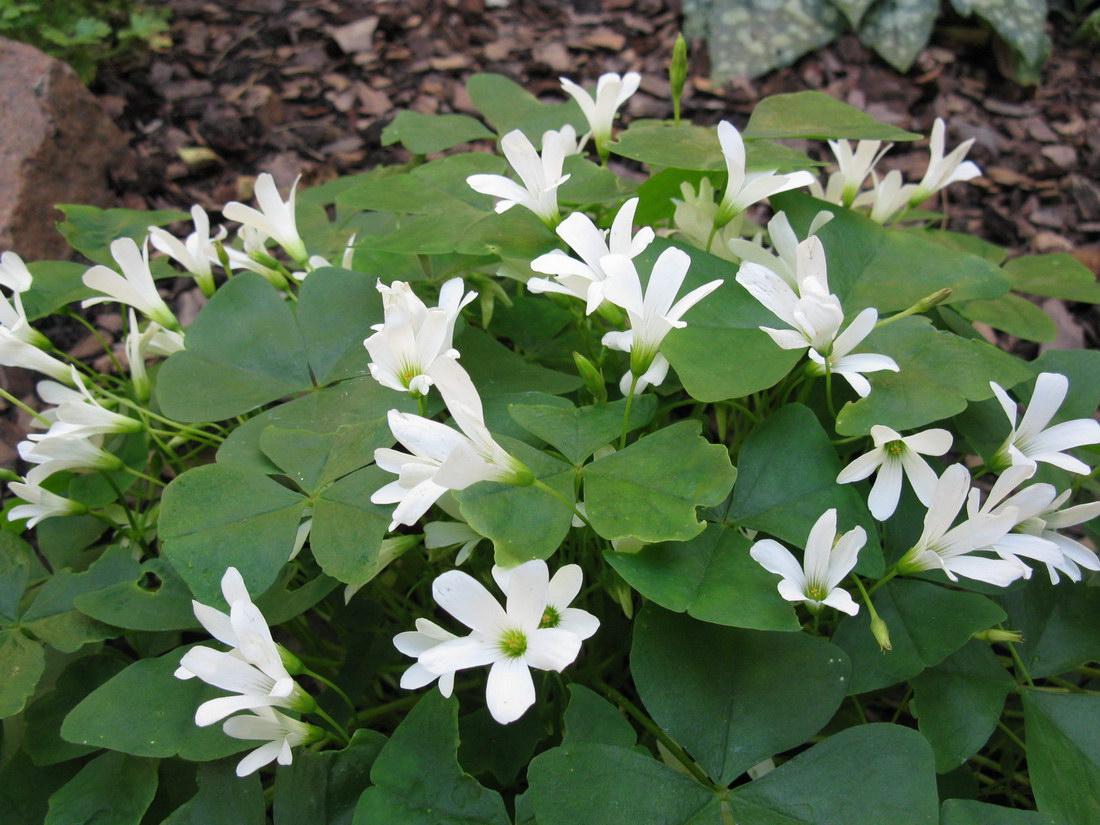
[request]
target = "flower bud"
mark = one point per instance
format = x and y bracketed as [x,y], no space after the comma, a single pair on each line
[995,634]
[881,633]
[593,379]
[677,73]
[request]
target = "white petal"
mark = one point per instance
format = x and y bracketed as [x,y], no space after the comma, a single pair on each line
[467,600]
[552,648]
[883,499]
[509,691]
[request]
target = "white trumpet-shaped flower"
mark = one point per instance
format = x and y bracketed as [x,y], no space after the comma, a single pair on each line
[274,219]
[1074,554]
[954,549]
[15,352]
[652,315]
[1032,440]
[746,188]
[943,171]
[828,558]
[14,273]
[694,217]
[839,361]
[279,733]
[196,252]
[413,336]
[135,287]
[510,639]
[612,91]
[893,456]
[585,279]
[57,452]
[783,260]
[854,167]
[14,318]
[41,504]
[887,198]
[540,173]
[80,415]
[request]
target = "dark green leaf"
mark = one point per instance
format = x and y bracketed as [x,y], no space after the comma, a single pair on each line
[224,798]
[21,664]
[324,787]
[972,812]
[1058,624]
[503,750]
[1063,755]
[577,433]
[56,283]
[16,563]
[112,789]
[347,529]
[817,116]
[335,311]
[590,718]
[496,370]
[698,684]
[417,778]
[712,577]
[156,600]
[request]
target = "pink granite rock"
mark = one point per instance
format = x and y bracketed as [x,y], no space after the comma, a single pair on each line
[56,146]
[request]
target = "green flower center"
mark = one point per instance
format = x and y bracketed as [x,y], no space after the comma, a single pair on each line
[894,448]
[513,644]
[550,617]
[816,592]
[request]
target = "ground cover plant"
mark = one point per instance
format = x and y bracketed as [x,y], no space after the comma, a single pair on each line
[520,487]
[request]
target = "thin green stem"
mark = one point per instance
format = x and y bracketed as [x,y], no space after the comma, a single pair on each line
[320,711]
[546,488]
[1011,734]
[829,389]
[890,573]
[102,342]
[11,399]
[143,476]
[658,734]
[333,686]
[710,238]
[626,412]
[130,517]
[422,405]
[1021,668]
[403,703]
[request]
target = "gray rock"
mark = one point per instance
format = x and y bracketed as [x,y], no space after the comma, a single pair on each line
[56,146]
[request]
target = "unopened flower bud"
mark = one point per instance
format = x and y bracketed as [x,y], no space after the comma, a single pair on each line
[881,633]
[995,634]
[593,379]
[677,73]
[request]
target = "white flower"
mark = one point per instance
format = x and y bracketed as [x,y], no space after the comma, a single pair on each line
[255,257]
[511,639]
[888,197]
[41,504]
[413,337]
[541,174]
[1032,440]
[564,586]
[415,642]
[893,456]
[80,415]
[442,458]
[1074,554]
[652,315]
[612,91]
[14,273]
[14,318]
[746,188]
[196,252]
[845,183]
[828,559]
[135,287]
[943,171]
[59,451]
[784,261]
[952,549]
[15,352]
[274,219]
[851,367]
[694,219]
[585,279]
[277,730]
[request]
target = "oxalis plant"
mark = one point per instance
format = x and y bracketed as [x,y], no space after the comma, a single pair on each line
[657,477]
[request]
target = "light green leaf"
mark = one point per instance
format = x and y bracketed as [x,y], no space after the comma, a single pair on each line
[507,106]
[590,718]
[866,775]
[686,146]
[505,513]
[712,577]
[1013,314]
[899,29]
[577,433]
[21,664]
[652,488]
[787,479]
[591,183]
[970,811]
[423,134]
[817,116]
[1057,275]
[696,683]
[56,283]
[591,784]
[146,711]
[157,599]
[1082,368]
[112,789]
[423,748]
[243,350]
[940,373]
[1063,755]
[958,702]
[90,230]
[324,787]
[224,798]
[927,623]
[217,516]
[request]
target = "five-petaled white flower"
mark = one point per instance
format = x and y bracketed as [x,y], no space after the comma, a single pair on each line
[413,336]
[41,504]
[652,315]
[837,358]
[1032,440]
[278,731]
[854,167]
[564,586]
[943,171]
[274,219]
[585,279]
[746,188]
[827,560]
[135,287]
[893,456]
[953,549]
[511,639]
[540,173]
[196,252]
[612,91]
